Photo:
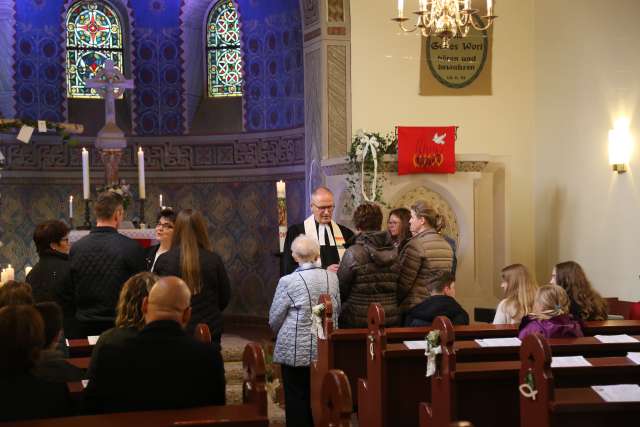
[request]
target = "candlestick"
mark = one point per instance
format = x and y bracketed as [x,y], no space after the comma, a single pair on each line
[161,205]
[142,224]
[87,217]
[282,212]
[85,174]
[71,207]
[10,273]
[141,183]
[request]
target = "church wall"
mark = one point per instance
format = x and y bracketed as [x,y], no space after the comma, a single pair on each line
[385,85]
[586,77]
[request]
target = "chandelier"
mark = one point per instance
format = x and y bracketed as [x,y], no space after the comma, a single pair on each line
[446,18]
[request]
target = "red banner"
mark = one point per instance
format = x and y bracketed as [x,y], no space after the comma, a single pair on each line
[426,149]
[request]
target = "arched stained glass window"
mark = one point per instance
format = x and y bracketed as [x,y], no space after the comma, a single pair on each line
[94,34]
[224,60]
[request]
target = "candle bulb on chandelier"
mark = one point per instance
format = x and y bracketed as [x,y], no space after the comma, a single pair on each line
[467,4]
[423,5]
[489,7]
[400,8]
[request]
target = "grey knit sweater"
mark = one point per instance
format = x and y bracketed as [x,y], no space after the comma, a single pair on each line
[290,314]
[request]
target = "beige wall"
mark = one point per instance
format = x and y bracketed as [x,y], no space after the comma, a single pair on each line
[385,77]
[584,79]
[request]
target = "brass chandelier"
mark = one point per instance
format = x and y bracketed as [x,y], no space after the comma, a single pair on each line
[446,18]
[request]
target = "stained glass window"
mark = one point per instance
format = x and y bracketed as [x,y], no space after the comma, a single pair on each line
[224,60]
[94,34]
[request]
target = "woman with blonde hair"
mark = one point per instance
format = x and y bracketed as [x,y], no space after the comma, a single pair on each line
[586,303]
[519,293]
[550,316]
[129,317]
[424,254]
[191,258]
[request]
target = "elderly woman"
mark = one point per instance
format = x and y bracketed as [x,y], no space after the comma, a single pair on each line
[290,318]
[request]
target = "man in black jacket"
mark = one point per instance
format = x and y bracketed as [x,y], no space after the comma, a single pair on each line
[161,368]
[441,303]
[100,264]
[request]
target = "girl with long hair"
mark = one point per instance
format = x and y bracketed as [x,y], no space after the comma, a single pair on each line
[586,303]
[550,315]
[519,292]
[191,258]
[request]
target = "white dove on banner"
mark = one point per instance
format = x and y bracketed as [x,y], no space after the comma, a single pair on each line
[439,139]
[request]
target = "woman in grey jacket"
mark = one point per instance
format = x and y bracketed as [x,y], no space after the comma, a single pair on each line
[290,318]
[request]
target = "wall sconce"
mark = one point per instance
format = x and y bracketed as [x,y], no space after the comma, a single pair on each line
[620,145]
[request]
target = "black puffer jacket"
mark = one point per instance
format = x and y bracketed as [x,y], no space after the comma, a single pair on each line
[50,280]
[365,276]
[100,264]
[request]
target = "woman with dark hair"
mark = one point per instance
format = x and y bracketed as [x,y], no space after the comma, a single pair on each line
[365,270]
[398,226]
[50,278]
[191,258]
[164,233]
[15,293]
[423,254]
[23,395]
[585,302]
[129,316]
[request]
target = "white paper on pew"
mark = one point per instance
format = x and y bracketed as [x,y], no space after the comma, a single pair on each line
[610,339]
[84,383]
[569,362]
[618,392]
[416,345]
[93,339]
[634,356]
[499,342]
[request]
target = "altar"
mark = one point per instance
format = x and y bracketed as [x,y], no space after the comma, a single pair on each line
[145,237]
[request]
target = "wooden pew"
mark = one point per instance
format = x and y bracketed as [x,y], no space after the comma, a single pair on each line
[344,349]
[566,407]
[486,392]
[336,401]
[252,413]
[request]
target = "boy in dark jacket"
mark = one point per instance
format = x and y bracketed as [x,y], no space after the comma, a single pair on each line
[441,303]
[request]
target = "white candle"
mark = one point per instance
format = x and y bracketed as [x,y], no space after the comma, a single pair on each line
[86,194]
[141,187]
[10,273]
[423,5]
[161,205]
[467,4]
[400,8]
[70,206]
[27,270]
[489,7]
[2,276]
[280,189]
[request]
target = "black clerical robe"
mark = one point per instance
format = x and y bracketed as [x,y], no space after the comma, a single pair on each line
[328,254]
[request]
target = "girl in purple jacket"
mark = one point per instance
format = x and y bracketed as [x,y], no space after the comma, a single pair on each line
[550,316]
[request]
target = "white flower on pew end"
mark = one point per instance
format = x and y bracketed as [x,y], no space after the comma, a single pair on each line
[318,310]
[316,320]
[432,351]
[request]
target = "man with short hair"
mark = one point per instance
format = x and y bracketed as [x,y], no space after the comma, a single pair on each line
[320,225]
[162,367]
[100,264]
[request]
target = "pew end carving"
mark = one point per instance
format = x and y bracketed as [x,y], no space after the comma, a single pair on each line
[337,405]
[254,390]
[536,376]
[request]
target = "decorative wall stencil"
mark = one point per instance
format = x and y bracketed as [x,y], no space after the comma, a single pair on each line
[7,37]
[286,149]
[39,73]
[247,243]
[337,100]
[274,70]
[311,11]
[336,11]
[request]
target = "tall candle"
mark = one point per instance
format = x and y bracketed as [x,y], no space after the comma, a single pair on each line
[489,7]
[141,185]
[161,205]
[70,206]
[467,4]
[27,270]
[400,8]
[3,276]
[423,5]
[86,194]
[280,189]
[10,273]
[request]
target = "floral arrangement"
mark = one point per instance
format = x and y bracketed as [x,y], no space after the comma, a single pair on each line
[432,351]
[123,189]
[365,157]
[316,320]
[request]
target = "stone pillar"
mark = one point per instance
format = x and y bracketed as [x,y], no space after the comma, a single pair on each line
[327,84]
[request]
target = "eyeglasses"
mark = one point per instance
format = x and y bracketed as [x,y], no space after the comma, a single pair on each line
[324,208]
[164,225]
